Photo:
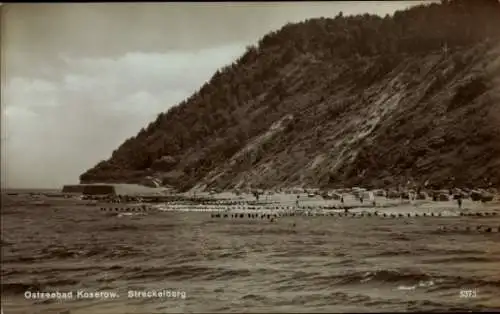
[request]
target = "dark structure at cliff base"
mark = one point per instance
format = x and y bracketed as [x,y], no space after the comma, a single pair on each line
[115,189]
[75,188]
[90,189]
[349,101]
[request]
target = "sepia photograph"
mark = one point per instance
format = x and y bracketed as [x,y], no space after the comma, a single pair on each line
[250,157]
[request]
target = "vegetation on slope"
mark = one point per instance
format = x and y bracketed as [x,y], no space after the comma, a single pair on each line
[344,101]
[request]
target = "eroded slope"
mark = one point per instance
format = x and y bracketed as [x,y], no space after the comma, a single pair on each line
[345,101]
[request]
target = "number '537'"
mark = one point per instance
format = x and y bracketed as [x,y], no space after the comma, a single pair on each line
[468,293]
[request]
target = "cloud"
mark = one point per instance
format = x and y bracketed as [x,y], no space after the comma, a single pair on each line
[30,92]
[56,129]
[36,33]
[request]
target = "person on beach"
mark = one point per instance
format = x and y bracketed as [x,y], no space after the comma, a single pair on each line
[342,199]
[459,201]
[297,201]
[372,198]
[256,195]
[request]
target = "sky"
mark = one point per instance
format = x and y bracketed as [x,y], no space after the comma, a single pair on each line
[79,79]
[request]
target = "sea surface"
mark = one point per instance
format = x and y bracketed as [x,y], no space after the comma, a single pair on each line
[204,264]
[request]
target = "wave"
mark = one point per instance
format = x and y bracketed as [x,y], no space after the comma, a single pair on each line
[399,236]
[383,276]
[4,242]
[394,276]
[76,252]
[403,279]
[119,227]
[20,288]
[419,251]
[461,259]
[186,272]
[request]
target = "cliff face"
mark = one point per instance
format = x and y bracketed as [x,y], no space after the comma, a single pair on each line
[348,101]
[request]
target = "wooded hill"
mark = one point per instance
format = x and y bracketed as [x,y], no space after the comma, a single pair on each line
[353,100]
